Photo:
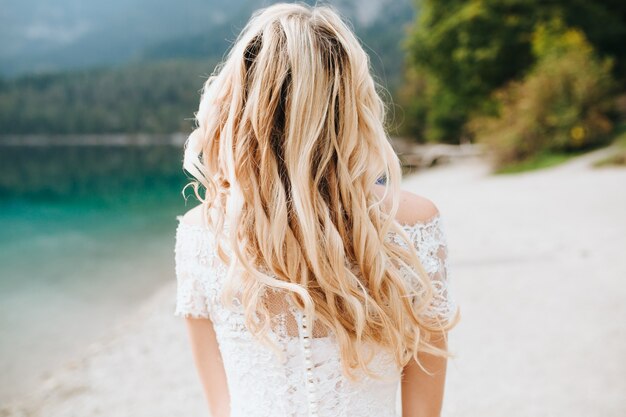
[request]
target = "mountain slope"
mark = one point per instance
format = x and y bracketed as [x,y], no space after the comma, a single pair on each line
[37,36]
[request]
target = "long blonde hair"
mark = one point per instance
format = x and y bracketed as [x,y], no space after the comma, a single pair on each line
[290,139]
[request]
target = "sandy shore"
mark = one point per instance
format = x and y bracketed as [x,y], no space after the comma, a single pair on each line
[538,263]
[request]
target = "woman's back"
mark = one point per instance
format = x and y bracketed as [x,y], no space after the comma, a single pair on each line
[308,380]
[309,289]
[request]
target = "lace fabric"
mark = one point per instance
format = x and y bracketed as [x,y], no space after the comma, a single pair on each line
[308,380]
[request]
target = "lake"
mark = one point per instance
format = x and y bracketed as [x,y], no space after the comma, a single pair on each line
[86,234]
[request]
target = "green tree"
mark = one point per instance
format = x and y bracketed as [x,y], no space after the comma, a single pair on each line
[468,49]
[561,105]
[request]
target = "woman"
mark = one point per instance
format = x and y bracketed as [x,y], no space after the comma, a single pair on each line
[308,288]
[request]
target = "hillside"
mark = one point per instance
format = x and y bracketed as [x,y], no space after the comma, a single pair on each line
[141,72]
[36,36]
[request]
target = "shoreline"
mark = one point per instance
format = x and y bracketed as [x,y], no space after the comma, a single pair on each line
[73,385]
[68,273]
[535,266]
[95,139]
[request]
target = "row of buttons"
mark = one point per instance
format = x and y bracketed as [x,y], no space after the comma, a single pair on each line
[308,361]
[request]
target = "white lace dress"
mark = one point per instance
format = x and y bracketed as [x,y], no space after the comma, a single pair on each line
[310,381]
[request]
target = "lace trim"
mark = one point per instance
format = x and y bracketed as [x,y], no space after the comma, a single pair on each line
[429,238]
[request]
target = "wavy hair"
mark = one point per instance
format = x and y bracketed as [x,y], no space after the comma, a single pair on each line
[289,142]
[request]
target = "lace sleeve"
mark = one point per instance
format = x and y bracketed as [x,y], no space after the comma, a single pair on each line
[194,252]
[431,243]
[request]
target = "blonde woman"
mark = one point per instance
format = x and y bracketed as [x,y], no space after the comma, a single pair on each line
[308,288]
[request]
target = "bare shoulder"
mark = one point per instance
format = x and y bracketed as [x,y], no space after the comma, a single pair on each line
[193,216]
[414,208]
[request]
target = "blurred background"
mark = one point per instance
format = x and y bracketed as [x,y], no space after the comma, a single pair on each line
[97,98]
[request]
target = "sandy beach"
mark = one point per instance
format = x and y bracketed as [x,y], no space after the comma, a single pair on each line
[537,264]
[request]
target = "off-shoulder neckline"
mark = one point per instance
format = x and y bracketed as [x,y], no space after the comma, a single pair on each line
[407,227]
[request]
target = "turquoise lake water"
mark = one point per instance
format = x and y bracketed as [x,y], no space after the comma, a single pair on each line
[85,235]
